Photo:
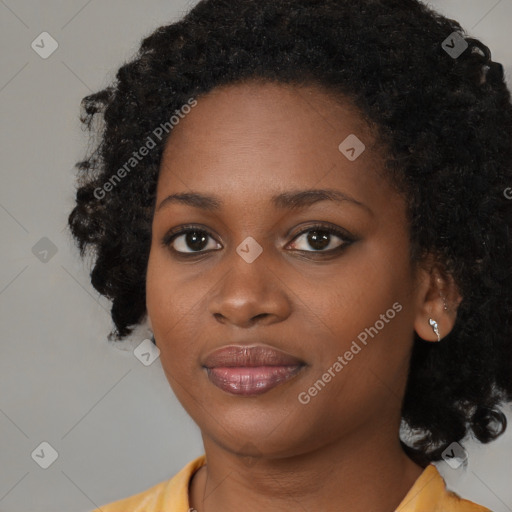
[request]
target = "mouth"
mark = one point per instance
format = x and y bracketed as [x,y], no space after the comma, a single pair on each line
[250,370]
[249,381]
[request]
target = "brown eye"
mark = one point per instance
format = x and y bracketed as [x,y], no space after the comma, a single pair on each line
[190,241]
[321,239]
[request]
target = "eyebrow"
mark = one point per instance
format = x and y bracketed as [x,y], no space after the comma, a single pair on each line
[292,200]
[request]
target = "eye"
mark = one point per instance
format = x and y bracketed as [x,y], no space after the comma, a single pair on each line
[320,238]
[190,240]
[189,237]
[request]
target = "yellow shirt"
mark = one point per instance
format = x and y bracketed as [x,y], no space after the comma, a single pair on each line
[428,494]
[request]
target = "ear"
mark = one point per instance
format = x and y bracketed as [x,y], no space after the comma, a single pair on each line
[438,298]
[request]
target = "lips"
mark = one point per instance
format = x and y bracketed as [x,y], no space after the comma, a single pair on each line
[250,370]
[249,356]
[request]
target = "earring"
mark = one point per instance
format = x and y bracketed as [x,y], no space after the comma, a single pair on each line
[435,328]
[445,306]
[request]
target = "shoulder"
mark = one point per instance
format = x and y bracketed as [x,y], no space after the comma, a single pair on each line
[170,495]
[429,494]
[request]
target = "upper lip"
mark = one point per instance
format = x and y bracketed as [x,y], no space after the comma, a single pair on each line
[252,355]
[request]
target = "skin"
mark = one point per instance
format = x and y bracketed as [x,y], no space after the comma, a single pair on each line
[244,143]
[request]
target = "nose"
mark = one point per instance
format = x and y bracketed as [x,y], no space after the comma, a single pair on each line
[250,293]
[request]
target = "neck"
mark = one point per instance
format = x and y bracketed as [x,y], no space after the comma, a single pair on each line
[367,470]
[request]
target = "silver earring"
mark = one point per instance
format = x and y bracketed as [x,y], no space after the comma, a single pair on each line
[435,328]
[445,306]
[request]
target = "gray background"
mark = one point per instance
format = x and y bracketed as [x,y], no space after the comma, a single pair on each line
[115,423]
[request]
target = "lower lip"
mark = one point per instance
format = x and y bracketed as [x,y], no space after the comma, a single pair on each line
[250,381]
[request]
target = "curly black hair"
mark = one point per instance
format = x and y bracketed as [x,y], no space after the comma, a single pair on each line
[445,119]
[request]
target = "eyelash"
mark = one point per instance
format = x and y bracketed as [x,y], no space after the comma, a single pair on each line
[324,228]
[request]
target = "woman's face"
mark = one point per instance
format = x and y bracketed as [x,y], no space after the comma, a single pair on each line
[259,272]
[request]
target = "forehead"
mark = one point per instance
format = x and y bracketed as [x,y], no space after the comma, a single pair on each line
[255,137]
[266,110]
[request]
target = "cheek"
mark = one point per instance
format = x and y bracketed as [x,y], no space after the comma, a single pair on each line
[369,328]
[366,283]
[169,300]
[169,304]
[367,308]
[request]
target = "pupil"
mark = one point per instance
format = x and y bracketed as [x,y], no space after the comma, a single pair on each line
[196,241]
[318,241]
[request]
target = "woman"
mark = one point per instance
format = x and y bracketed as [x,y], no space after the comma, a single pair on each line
[307,201]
